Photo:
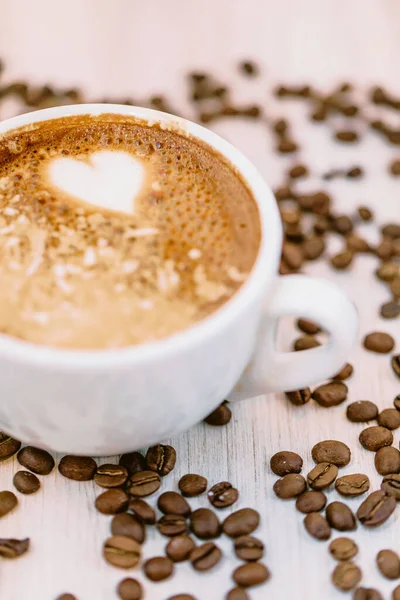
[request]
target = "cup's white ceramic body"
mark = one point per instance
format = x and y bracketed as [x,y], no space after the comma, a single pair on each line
[107,402]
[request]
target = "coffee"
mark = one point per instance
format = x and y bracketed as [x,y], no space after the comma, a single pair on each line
[115,232]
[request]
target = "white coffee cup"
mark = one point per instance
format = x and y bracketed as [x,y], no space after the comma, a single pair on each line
[110,401]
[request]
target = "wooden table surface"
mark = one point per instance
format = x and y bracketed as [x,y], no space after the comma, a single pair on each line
[135,48]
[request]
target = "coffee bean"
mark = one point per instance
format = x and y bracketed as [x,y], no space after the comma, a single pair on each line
[343,548]
[286,146]
[250,574]
[396,593]
[305,343]
[365,213]
[394,167]
[347,136]
[25,482]
[345,372]
[144,483]
[395,287]
[322,476]
[346,576]
[362,411]
[238,593]
[182,597]
[331,451]
[308,327]
[11,548]
[342,260]
[292,255]
[395,362]
[223,494]
[317,526]
[355,173]
[391,230]
[376,509]
[66,597]
[330,394]
[192,485]
[130,589]
[355,243]
[112,502]
[173,503]
[375,437]
[379,342]
[387,271]
[205,524]
[396,402]
[362,593]
[171,525]
[298,171]
[299,397]
[161,459]
[388,564]
[391,485]
[121,551]
[340,517]
[389,418]
[78,468]
[110,476]
[387,460]
[133,462]
[130,526]
[205,557]
[249,68]
[290,486]
[242,522]
[311,501]
[144,511]
[8,501]
[158,568]
[220,416]
[352,485]
[285,462]
[36,460]
[390,310]
[8,446]
[179,548]
[248,548]
[313,247]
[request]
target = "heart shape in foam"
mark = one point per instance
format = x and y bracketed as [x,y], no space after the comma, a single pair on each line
[108,179]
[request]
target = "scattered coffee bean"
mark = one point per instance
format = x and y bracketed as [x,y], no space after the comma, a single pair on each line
[182,597]
[8,501]
[313,247]
[66,597]
[112,502]
[365,213]
[285,462]
[220,416]
[248,548]
[292,255]
[298,171]
[387,460]
[192,485]
[395,167]
[306,342]
[26,482]
[311,501]
[347,136]
[204,524]
[144,511]
[395,362]
[391,485]
[286,146]
[205,557]
[242,522]
[8,446]
[290,486]
[144,483]
[362,593]
[362,411]
[171,525]
[250,574]
[317,526]
[355,173]
[376,509]
[299,397]
[173,503]
[110,476]
[345,372]
[396,593]
[391,230]
[379,342]
[342,224]
[343,548]
[249,68]
[158,568]
[390,310]
[342,260]
[10,548]
[388,564]
[133,462]
[308,327]
[375,437]
[389,418]
[346,576]
[130,526]
[396,402]
[331,451]
[179,548]
[322,476]
[395,287]
[121,551]
[387,271]
[161,459]
[352,485]
[330,394]
[340,517]
[78,468]
[238,593]
[130,589]
[223,494]
[36,460]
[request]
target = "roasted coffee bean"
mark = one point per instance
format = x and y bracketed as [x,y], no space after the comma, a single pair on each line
[396,593]
[250,574]
[171,525]
[389,418]
[308,327]
[311,501]
[365,213]
[394,168]
[158,568]
[355,243]
[313,247]
[238,593]
[144,483]
[121,551]
[223,494]
[249,68]
[376,509]
[144,511]
[182,597]
[322,476]
[112,502]
[346,576]
[290,486]
[391,230]
[395,287]
[298,171]
[286,146]
[285,462]
[192,485]
[161,459]
[345,372]
[281,126]
[306,342]
[8,501]
[204,524]
[340,517]
[205,557]
[390,310]
[387,460]
[128,525]
[387,271]
[379,342]
[173,503]
[11,548]
[242,522]
[330,394]
[248,548]
[388,564]
[396,402]
[130,589]
[26,482]
[347,136]
[352,485]
[396,364]
[110,476]
[362,411]
[36,460]
[317,526]
[179,548]
[292,255]
[8,446]
[78,468]
[66,597]
[343,548]
[299,397]
[220,416]
[133,462]
[362,593]
[342,260]
[375,437]
[331,451]
[355,173]
[391,485]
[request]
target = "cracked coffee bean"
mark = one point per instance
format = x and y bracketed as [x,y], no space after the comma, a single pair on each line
[362,411]
[78,468]
[317,526]
[330,394]
[388,564]
[8,501]
[171,525]
[220,416]
[26,482]
[36,460]
[376,509]
[8,446]
[285,462]
[133,462]
[179,548]
[299,397]
[290,486]
[191,485]
[343,548]
[311,501]
[331,451]
[128,525]
[248,548]
[144,483]
[352,485]
[242,522]
[391,485]
[322,476]
[158,568]
[340,517]
[205,557]
[346,576]
[11,548]
[121,551]
[379,342]
[395,362]
[222,494]
[375,437]
[110,476]
[161,459]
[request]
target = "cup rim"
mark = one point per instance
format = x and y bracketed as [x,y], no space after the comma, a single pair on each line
[263,270]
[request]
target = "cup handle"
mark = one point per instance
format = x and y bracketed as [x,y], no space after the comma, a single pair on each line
[318,300]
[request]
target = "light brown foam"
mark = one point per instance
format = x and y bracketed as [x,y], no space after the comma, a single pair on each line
[74,276]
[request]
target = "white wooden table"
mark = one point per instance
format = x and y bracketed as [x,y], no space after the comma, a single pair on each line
[134,48]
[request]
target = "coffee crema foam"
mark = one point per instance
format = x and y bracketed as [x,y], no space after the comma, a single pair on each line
[114,232]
